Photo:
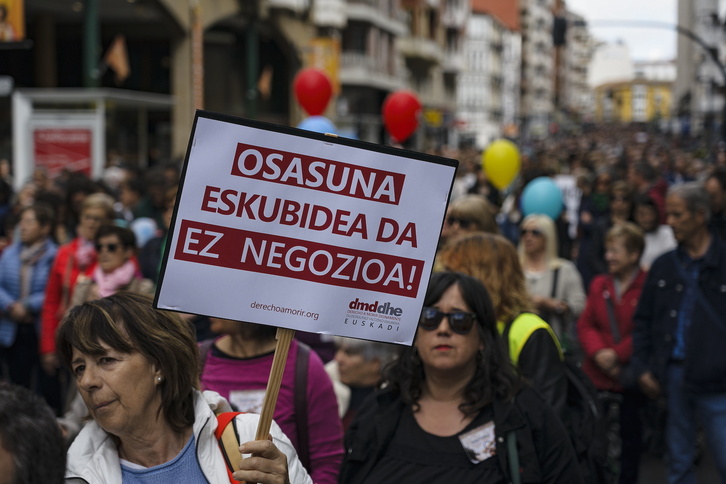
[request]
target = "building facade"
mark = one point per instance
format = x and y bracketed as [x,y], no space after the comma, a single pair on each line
[699,85]
[538,64]
[371,65]
[241,57]
[637,101]
[433,59]
[482,69]
[573,96]
[488,97]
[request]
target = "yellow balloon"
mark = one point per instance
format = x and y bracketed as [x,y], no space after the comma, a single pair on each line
[500,162]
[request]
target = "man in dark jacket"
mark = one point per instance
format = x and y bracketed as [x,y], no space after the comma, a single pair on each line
[680,327]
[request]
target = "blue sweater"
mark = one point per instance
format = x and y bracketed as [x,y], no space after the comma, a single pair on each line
[183,468]
[10,286]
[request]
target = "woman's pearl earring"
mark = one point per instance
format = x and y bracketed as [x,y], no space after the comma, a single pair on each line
[158,379]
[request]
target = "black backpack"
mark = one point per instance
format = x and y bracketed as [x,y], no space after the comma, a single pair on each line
[585,422]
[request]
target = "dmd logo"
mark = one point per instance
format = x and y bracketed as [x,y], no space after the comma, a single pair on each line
[374,307]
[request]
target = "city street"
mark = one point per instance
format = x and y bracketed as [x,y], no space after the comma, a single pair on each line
[653,470]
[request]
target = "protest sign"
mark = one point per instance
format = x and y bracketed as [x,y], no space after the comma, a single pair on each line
[299,230]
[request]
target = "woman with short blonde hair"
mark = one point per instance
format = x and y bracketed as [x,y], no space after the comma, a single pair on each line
[471,213]
[554,284]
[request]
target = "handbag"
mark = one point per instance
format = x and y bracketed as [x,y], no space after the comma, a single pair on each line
[568,346]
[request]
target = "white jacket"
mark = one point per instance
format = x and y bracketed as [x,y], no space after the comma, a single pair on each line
[93,456]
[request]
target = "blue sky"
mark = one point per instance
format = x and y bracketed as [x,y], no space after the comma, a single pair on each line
[644,43]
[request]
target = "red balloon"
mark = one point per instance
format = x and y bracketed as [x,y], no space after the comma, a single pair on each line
[313,90]
[400,114]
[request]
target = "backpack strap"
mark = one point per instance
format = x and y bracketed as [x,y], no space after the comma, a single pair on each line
[611,316]
[204,348]
[301,405]
[513,455]
[228,442]
[555,277]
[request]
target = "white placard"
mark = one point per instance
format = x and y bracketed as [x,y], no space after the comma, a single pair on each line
[284,227]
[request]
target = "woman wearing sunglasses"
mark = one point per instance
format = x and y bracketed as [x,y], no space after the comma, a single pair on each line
[554,283]
[452,403]
[470,213]
[116,270]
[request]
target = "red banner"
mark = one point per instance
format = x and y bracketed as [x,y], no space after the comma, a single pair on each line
[58,149]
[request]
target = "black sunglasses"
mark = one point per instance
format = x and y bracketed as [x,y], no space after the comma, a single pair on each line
[463,223]
[535,232]
[109,247]
[460,322]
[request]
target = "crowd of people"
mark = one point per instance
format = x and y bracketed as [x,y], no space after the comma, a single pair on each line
[629,281]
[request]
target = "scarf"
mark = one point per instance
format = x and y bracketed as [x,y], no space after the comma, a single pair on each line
[85,253]
[110,283]
[29,256]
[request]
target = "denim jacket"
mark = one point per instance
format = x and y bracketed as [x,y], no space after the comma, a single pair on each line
[10,268]
[656,320]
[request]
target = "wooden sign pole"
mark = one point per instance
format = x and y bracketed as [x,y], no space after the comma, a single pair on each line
[284,338]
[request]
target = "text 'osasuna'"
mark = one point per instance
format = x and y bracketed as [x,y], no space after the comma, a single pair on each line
[317,174]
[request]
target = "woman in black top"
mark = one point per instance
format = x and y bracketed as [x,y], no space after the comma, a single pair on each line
[451,402]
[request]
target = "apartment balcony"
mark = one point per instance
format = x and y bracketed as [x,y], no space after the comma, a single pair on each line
[437,99]
[297,6]
[455,17]
[420,48]
[359,69]
[453,62]
[395,21]
[329,13]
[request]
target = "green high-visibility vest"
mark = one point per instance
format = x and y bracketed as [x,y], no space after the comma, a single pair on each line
[521,329]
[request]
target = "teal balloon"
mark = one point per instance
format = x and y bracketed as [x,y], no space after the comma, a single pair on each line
[542,196]
[318,124]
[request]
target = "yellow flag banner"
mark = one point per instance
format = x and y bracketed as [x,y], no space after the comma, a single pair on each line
[12,20]
[324,54]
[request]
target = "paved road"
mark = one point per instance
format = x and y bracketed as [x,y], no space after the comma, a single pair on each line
[653,470]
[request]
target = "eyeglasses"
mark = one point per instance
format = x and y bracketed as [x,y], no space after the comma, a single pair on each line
[535,232]
[110,247]
[463,223]
[460,322]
